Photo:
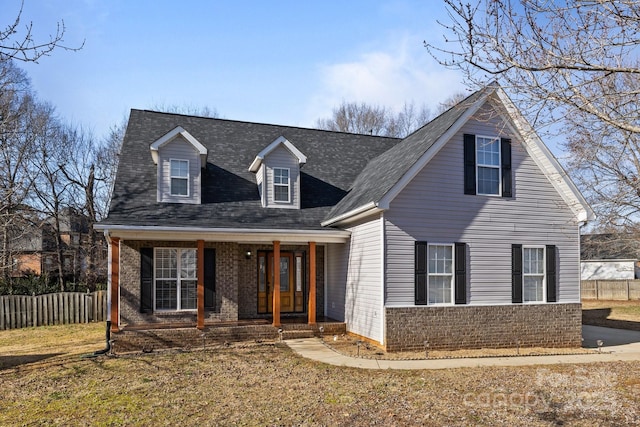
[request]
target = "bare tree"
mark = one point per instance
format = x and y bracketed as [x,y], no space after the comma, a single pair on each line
[573,68]
[375,120]
[52,191]
[186,109]
[19,44]
[555,58]
[454,99]
[17,140]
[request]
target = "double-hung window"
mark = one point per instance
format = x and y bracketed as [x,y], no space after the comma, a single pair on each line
[488,164]
[179,175]
[281,191]
[440,274]
[175,279]
[533,274]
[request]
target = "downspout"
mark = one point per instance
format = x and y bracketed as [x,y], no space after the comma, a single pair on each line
[108,332]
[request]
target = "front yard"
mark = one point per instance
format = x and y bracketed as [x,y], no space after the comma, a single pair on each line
[267,384]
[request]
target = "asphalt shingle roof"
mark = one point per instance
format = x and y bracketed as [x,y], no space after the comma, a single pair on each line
[230,195]
[343,171]
[383,172]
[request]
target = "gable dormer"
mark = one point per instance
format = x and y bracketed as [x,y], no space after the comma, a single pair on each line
[180,159]
[277,169]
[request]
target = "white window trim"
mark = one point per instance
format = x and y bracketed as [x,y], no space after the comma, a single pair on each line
[544,274]
[453,266]
[499,167]
[178,280]
[288,185]
[187,178]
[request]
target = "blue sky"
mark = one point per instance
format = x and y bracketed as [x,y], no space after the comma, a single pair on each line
[284,62]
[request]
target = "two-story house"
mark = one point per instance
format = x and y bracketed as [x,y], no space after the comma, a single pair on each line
[466,233]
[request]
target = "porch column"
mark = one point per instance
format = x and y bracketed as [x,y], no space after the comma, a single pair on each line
[115,284]
[312,283]
[276,283]
[200,293]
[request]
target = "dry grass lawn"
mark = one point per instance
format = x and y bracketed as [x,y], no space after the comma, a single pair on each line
[612,314]
[267,384]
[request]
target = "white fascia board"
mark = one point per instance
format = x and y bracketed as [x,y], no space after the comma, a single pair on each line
[245,235]
[386,200]
[353,215]
[201,149]
[547,162]
[255,165]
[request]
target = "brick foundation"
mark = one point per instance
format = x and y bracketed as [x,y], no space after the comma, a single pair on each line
[501,326]
[127,341]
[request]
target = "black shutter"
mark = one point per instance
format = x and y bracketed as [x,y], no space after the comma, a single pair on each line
[146,280]
[551,273]
[421,273]
[469,164]
[516,273]
[209,278]
[506,167]
[461,273]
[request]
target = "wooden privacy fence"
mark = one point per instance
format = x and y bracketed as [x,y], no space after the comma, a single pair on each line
[610,289]
[21,311]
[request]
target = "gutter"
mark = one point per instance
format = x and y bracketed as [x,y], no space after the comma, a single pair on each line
[354,214]
[243,235]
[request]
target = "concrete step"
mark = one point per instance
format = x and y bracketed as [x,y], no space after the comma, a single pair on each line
[297,333]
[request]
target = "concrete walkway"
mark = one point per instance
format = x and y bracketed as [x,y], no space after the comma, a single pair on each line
[618,345]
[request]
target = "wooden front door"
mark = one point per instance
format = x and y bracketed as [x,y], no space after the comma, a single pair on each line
[291,295]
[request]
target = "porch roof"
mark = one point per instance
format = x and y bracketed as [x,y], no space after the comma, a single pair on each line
[244,235]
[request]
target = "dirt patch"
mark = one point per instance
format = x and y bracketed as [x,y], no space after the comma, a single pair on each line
[351,346]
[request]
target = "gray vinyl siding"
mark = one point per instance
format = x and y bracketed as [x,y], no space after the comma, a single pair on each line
[434,208]
[363,298]
[260,182]
[280,157]
[178,149]
[337,266]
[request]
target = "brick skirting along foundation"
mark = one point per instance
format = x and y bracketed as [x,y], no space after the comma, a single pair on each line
[127,341]
[501,326]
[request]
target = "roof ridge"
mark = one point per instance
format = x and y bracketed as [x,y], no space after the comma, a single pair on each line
[264,124]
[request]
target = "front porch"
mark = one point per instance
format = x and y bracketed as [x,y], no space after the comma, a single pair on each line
[170,283]
[151,337]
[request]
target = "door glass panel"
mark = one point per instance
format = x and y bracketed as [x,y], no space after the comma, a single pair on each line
[262,274]
[298,274]
[284,274]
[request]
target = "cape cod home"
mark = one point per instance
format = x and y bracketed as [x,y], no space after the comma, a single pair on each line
[466,233]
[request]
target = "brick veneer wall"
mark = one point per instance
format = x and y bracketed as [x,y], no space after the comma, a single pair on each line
[248,278]
[155,339]
[458,327]
[226,309]
[236,282]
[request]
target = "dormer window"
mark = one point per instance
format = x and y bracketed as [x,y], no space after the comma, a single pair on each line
[179,177]
[180,159]
[281,191]
[277,169]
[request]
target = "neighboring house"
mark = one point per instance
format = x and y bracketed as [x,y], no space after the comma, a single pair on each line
[464,234]
[33,248]
[608,257]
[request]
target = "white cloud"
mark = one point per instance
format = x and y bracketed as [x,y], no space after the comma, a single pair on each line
[402,72]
